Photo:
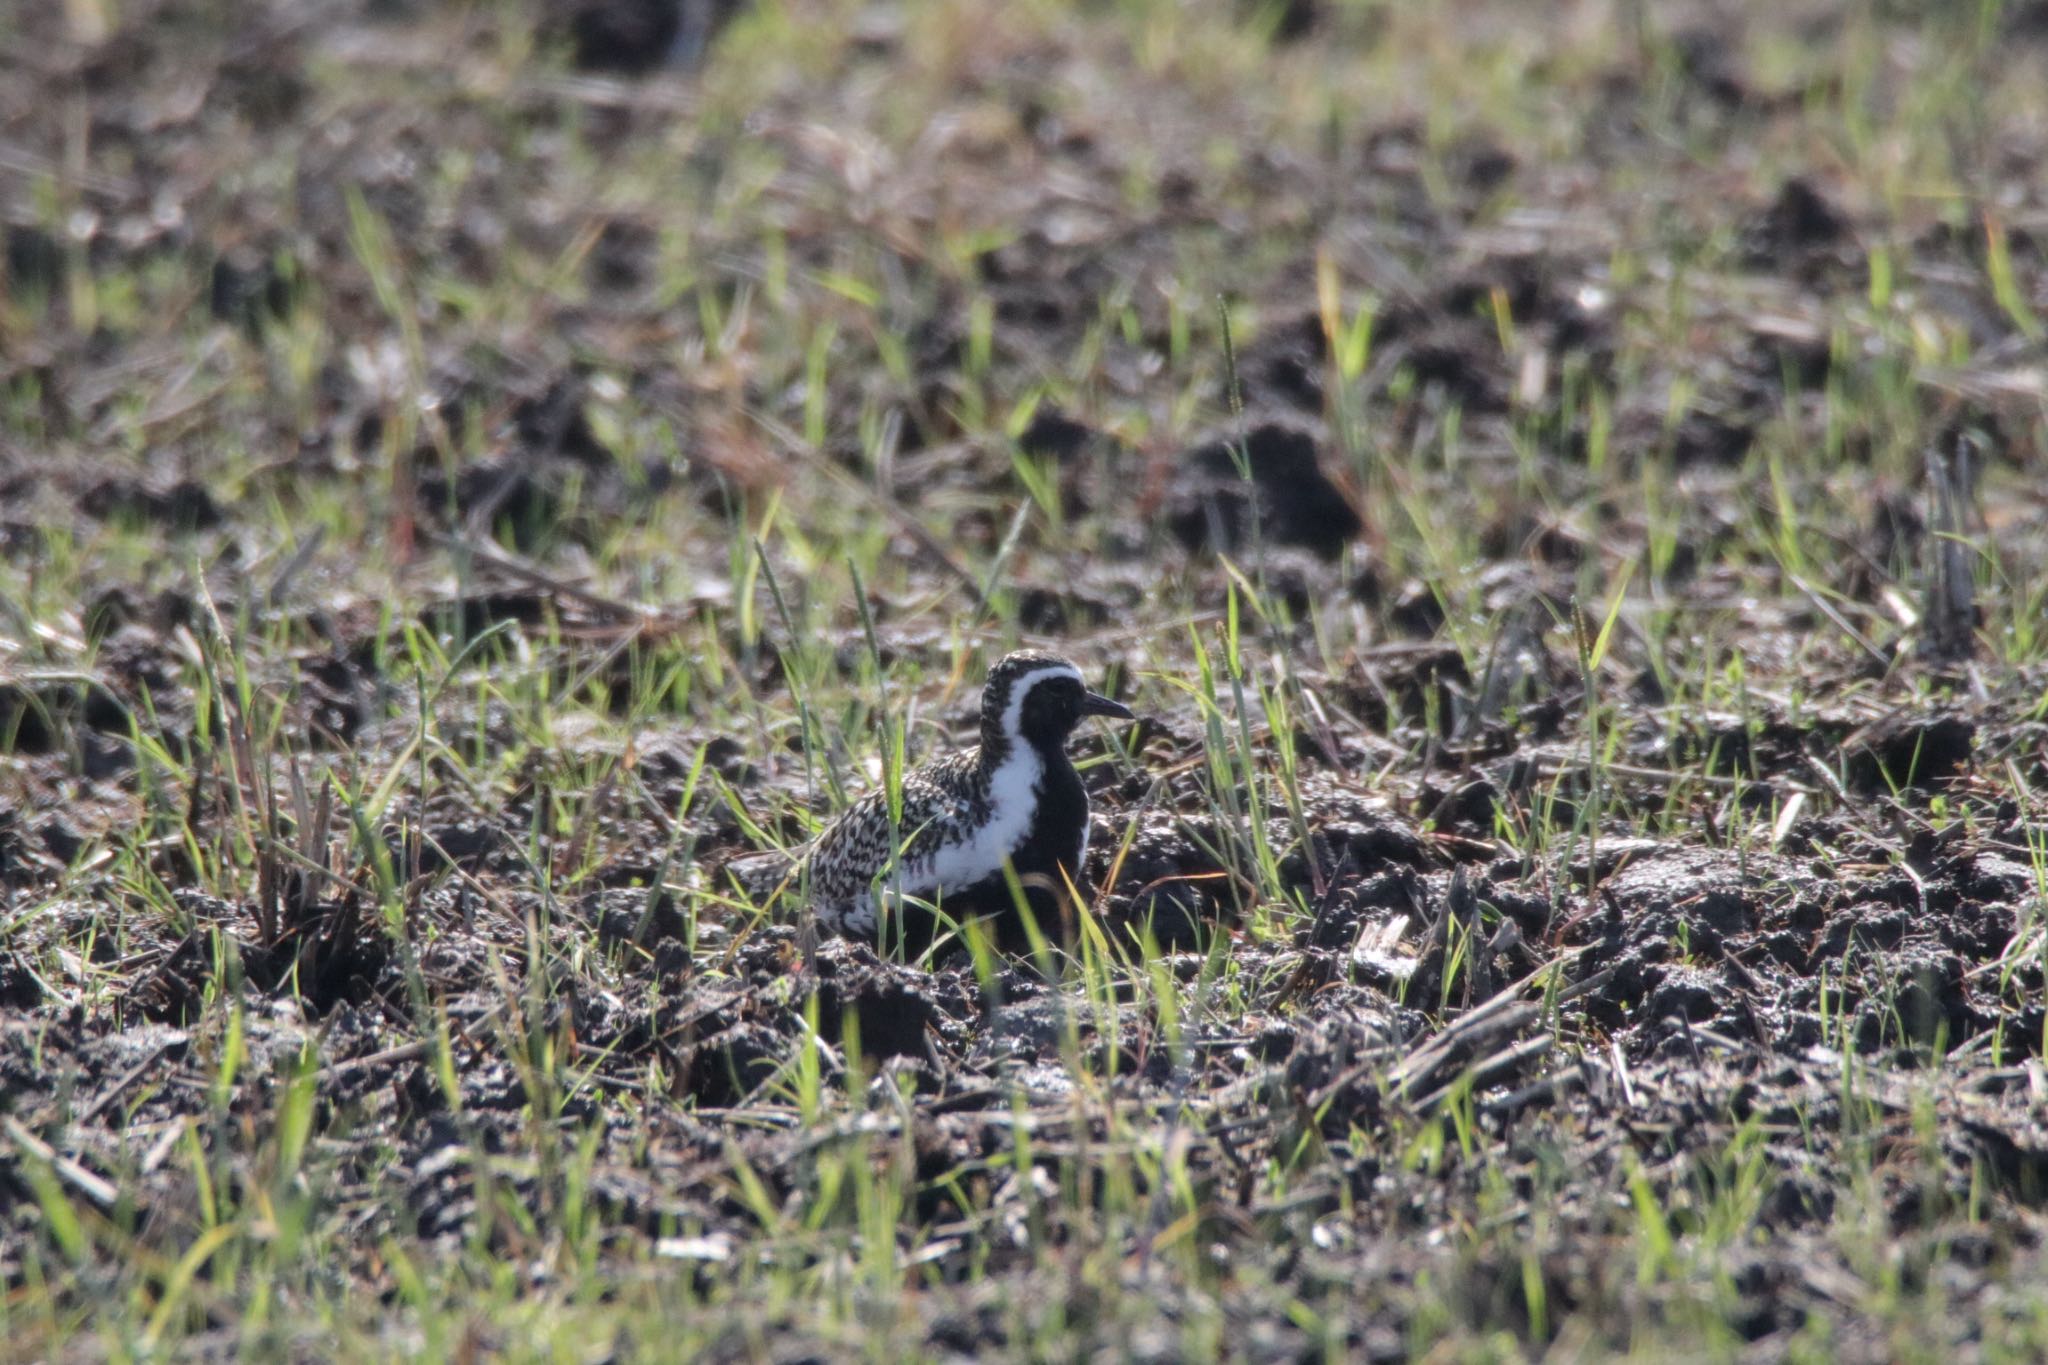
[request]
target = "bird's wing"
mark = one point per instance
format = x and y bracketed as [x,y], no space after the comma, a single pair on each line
[858,846]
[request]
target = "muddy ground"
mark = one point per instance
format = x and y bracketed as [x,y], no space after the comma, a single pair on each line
[433,450]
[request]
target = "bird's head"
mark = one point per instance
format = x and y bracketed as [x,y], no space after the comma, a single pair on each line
[1038,699]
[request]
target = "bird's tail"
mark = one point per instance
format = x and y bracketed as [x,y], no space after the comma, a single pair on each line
[761,877]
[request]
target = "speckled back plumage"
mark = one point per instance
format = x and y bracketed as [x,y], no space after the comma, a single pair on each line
[940,800]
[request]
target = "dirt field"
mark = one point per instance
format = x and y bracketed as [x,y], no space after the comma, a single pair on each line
[1561,486]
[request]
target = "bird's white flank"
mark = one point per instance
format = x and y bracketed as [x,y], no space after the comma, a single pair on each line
[1012,799]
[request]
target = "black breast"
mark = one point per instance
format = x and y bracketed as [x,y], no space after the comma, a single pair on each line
[1056,828]
[1053,843]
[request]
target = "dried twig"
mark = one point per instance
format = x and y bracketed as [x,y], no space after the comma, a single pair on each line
[92,1186]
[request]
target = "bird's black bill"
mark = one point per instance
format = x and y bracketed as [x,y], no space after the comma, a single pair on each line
[1095,705]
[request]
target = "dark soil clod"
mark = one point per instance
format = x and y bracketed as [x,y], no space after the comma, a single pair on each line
[1907,751]
[1269,486]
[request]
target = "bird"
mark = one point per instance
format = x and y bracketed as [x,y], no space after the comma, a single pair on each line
[1014,799]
